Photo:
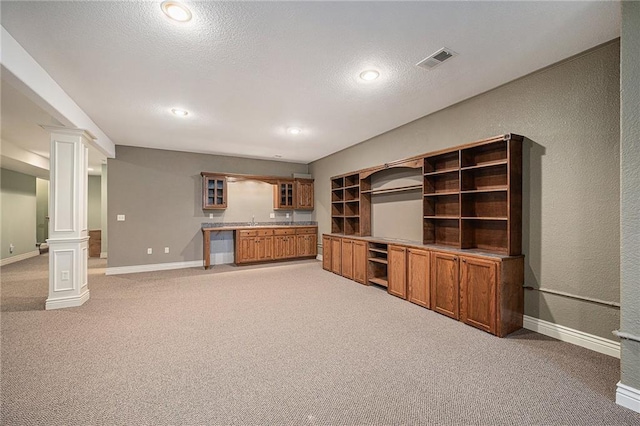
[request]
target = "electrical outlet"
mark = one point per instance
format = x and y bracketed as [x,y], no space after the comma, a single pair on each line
[11,247]
[149,250]
[120,218]
[272,215]
[65,276]
[210,215]
[288,216]
[166,250]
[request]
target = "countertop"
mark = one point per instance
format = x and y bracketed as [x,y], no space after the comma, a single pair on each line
[232,226]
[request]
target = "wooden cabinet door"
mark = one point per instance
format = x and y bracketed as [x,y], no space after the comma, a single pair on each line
[445,280]
[360,261]
[478,293]
[214,192]
[418,276]
[264,248]
[397,268]
[283,195]
[336,255]
[246,250]
[326,253]
[307,245]
[279,247]
[304,195]
[290,246]
[347,258]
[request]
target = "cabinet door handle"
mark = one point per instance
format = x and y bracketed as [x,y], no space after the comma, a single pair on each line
[464,260]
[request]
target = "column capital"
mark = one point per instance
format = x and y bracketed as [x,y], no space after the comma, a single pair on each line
[69,131]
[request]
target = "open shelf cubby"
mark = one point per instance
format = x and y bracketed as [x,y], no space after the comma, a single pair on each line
[486,235]
[352,208]
[442,205]
[478,156]
[337,209]
[442,231]
[442,162]
[377,264]
[485,204]
[443,182]
[485,178]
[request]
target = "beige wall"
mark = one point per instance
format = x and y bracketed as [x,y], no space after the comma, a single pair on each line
[94,203]
[42,210]
[570,115]
[160,194]
[18,210]
[630,191]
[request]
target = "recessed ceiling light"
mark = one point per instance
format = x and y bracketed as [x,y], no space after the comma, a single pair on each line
[90,169]
[294,130]
[176,11]
[180,112]
[369,75]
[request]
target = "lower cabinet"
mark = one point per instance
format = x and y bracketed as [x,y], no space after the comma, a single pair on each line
[326,253]
[482,291]
[445,281]
[336,255]
[260,245]
[418,277]
[360,261]
[397,270]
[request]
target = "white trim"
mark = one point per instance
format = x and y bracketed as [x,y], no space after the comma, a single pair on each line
[319,257]
[628,397]
[19,257]
[103,255]
[66,302]
[116,270]
[570,335]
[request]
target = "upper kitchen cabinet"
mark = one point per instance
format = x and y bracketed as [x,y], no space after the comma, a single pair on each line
[304,194]
[214,194]
[293,194]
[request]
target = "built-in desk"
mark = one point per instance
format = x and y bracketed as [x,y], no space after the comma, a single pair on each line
[265,242]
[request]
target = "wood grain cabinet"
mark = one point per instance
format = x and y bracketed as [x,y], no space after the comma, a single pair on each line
[478,293]
[214,194]
[254,245]
[307,242]
[284,244]
[326,253]
[283,195]
[303,194]
[360,261]
[336,255]
[397,267]
[347,258]
[418,277]
[445,280]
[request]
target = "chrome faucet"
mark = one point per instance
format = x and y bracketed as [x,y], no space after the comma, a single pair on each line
[253,221]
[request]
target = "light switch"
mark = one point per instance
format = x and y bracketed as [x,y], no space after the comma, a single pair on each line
[120,218]
[272,215]
[210,215]
[166,249]
[288,215]
[149,250]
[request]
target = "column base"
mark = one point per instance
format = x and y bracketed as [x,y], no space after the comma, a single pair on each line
[628,397]
[67,302]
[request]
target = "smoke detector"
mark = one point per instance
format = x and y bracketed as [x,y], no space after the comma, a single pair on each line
[436,58]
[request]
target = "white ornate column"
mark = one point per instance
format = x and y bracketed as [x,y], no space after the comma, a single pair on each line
[68,237]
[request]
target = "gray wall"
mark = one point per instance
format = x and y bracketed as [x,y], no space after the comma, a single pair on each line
[160,194]
[104,244]
[94,203]
[570,114]
[629,190]
[42,210]
[18,210]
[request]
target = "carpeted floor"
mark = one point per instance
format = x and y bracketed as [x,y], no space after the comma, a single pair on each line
[286,344]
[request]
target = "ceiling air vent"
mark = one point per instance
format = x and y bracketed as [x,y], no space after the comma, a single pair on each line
[436,59]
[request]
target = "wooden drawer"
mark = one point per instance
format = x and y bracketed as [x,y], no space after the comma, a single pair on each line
[286,231]
[252,233]
[265,232]
[306,231]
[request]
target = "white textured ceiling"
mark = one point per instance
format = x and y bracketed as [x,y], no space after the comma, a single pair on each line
[248,70]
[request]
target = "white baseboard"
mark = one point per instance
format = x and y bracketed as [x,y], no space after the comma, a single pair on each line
[117,270]
[66,302]
[628,397]
[569,335]
[319,257]
[103,255]
[19,257]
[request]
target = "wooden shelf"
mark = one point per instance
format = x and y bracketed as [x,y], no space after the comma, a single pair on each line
[484,218]
[351,186]
[352,201]
[443,217]
[378,250]
[487,164]
[440,194]
[477,191]
[391,190]
[352,215]
[441,172]
[380,281]
[379,260]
